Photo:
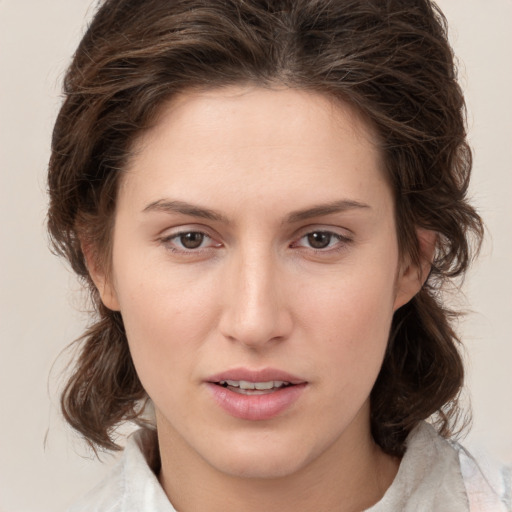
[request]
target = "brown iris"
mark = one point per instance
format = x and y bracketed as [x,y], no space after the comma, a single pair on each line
[191,240]
[319,239]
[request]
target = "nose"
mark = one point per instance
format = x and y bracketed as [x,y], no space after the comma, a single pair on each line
[256,309]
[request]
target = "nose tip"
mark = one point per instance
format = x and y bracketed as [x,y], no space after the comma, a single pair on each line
[253,332]
[255,308]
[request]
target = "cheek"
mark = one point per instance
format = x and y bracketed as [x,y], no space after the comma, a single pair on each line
[351,319]
[167,317]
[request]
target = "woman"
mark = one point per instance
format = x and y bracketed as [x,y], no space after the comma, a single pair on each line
[265,199]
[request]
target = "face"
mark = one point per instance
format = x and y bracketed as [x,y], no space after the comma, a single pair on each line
[256,268]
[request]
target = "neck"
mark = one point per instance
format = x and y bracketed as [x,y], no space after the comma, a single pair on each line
[351,476]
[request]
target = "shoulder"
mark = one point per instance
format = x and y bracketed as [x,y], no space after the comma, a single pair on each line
[132,485]
[437,474]
[107,496]
[488,483]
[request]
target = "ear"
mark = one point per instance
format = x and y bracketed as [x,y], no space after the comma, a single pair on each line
[101,279]
[411,277]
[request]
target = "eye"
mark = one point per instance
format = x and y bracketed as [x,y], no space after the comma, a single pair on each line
[191,240]
[188,241]
[319,239]
[322,240]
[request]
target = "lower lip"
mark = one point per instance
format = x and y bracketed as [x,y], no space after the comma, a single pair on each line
[256,407]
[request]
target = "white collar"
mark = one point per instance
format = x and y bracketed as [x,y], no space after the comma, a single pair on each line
[429,479]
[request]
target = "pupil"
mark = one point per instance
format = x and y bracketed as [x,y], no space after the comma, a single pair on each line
[319,240]
[191,240]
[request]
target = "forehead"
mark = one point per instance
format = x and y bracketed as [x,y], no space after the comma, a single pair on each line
[250,141]
[271,115]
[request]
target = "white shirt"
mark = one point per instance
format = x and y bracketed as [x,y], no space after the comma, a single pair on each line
[434,476]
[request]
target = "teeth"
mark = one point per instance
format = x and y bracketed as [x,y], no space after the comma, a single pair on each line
[243,384]
[263,385]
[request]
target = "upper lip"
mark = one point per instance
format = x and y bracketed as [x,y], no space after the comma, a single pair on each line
[261,375]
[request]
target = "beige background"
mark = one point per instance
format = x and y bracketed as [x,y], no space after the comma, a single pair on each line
[40,303]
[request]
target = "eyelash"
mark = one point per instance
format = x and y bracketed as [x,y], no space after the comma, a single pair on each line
[341,242]
[167,242]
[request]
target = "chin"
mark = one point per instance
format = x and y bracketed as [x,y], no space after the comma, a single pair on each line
[258,459]
[261,467]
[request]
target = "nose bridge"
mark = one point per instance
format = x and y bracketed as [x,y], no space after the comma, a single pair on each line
[255,311]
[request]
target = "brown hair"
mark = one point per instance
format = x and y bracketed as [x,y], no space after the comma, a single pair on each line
[388,58]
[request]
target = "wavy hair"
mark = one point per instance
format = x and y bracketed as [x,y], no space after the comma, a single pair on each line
[390,59]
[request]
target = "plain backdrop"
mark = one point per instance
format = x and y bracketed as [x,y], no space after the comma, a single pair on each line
[43,465]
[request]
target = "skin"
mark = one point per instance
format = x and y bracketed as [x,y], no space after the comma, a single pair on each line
[256,294]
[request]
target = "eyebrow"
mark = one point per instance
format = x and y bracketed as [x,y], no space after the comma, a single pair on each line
[167,206]
[184,208]
[325,209]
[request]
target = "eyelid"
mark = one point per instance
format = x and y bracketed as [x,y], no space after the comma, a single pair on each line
[169,236]
[343,238]
[324,228]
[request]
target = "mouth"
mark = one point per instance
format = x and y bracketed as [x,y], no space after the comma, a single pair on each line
[255,394]
[244,387]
